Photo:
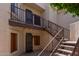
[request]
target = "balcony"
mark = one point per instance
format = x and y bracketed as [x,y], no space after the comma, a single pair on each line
[24,18]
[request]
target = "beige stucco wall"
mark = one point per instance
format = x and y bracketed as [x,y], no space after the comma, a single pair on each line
[33,8]
[4,29]
[66,19]
[53,15]
[50,13]
[74,31]
[45,37]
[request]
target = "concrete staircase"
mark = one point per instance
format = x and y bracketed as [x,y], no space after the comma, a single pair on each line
[65,48]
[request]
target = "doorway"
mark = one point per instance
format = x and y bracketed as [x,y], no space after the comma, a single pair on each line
[29,42]
[13,42]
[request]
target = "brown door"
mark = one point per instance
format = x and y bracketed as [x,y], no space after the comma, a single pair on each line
[13,42]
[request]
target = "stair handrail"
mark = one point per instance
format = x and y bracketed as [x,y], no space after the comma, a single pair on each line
[56,46]
[50,41]
[76,45]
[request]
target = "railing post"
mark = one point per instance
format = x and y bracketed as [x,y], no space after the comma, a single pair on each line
[11,12]
[41,20]
[24,16]
[33,20]
[48,23]
[43,23]
[76,49]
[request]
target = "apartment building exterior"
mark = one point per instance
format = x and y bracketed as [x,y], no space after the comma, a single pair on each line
[21,22]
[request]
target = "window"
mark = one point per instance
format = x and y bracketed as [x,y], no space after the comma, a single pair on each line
[36,40]
[29,16]
[37,20]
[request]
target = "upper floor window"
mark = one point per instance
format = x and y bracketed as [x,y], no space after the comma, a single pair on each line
[37,20]
[29,16]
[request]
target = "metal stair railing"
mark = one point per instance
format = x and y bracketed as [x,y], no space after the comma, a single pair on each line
[56,47]
[50,41]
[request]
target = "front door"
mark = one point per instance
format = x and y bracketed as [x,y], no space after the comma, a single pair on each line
[13,42]
[29,42]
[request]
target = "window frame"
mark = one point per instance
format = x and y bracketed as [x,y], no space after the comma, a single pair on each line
[35,20]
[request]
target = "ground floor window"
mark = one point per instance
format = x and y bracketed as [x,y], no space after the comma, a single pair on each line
[13,42]
[36,40]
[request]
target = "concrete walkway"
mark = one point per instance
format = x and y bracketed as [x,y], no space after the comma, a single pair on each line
[35,53]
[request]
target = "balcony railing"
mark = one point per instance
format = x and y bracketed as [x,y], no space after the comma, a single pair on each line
[20,16]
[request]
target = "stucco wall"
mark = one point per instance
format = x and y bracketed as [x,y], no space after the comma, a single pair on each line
[74,31]
[53,15]
[66,19]
[43,5]
[4,29]
[31,7]
[50,13]
[45,37]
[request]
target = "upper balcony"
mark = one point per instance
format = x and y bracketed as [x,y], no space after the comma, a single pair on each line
[24,18]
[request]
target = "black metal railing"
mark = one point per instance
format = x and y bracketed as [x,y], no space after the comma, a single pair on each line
[51,27]
[20,16]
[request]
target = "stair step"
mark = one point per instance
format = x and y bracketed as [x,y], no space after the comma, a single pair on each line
[69,42]
[66,39]
[59,54]
[66,51]
[66,46]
